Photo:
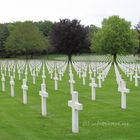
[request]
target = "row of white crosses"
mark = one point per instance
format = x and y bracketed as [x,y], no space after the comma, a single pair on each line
[82,68]
[34,66]
[121,87]
[71,80]
[74,104]
[130,70]
[127,59]
[102,75]
[56,71]
[101,69]
[42,93]
[95,58]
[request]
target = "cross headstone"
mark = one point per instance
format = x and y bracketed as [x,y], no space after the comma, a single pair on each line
[55,81]
[12,83]
[84,77]
[131,75]
[25,88]
[90,73]
[94,72]
[43,95]
[72,82]
[76,106]
[51,73]
[60,75]
[3,82]
[99,80]
[19,74]
[136,77]
[124,90]
[43,76]
[93,88]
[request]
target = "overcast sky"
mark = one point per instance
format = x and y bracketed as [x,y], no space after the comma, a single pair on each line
[88,11]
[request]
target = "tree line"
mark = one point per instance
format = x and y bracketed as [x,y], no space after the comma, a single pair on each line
[116,36]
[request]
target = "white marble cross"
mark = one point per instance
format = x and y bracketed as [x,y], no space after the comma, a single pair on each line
[43,76]
[51,73]
[136,77]
[72,82]
[84,77]
[124,90]
[94,71]
[43,95]
[60,75]
[3,82]
[131,75]
[76,106]
[99,80]
[90,73]
[25,88]
[79,72]
[12,83]
[55,81]
[119,79]
[93,90]
[19,74]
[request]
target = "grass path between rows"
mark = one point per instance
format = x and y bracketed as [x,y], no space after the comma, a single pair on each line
[102,119]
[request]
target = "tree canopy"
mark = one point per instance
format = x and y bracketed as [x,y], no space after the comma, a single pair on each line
[4,33]
[138,31]
[69,37]
[115,37]
[26,38]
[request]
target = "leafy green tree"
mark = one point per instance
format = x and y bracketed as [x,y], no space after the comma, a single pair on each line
[69,37]
[115,37]
[92,32]
[26,38]
[45,27]
[4,33]
[138,31]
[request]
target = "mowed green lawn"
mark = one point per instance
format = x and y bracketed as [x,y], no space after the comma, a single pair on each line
[102,119]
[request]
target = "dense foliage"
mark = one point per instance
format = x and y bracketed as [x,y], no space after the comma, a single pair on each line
[69,37]
[25,38]
[4,33]
[138,31]
[116,37]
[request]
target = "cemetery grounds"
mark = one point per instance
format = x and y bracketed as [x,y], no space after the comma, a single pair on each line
[102,119]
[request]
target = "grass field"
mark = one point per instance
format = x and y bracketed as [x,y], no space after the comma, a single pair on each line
[102,119]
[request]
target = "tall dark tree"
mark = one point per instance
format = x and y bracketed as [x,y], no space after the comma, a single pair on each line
[69,37]
[4,33]
[138,30]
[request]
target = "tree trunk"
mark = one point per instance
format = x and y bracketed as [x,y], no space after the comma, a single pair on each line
[114,58]
[31,55]
[26,55]
[69,58]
